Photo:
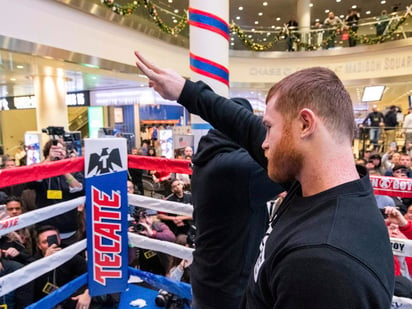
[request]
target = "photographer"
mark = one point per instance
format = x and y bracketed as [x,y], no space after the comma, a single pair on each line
[148,260]
[48,243]
[58,189]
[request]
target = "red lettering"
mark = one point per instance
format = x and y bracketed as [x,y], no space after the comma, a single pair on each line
[99,214]
[113,248]
[107,261]
[100,275]
[101,198]
[108,230]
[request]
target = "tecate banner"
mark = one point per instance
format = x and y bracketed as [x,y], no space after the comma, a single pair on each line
[106,214]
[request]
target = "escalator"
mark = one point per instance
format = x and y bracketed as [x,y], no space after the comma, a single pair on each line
[79,120]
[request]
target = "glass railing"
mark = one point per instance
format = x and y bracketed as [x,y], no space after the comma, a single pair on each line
[368,31]
[380,139]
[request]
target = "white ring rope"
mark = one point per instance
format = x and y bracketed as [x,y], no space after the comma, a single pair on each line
[37,268]
[160,205]
[168,247]
[29,218]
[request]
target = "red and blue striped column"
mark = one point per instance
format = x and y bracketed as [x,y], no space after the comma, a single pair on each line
[209,50]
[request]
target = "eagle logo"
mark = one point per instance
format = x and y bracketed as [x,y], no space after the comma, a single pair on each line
[104,162]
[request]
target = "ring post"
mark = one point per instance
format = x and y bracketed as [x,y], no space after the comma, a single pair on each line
[106,214]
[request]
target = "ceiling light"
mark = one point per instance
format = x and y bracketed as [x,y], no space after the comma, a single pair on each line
[260,13]
[249,36]
[264,39]
[175,21]
[342,16]
[13,79]
[232,44]
[256,22]
[170,1]
[383,2]
[237,17]
[367,12]
[338,1]
[354,6]
[327,11]
[372,93]
[265,3]
[273,27]
[20,66]
[310,5]
[240,8]
[277,18]
[176,11]
[317,20]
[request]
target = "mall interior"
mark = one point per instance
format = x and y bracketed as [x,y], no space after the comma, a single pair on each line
[70,63]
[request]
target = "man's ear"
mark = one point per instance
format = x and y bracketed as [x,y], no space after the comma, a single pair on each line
[307,121]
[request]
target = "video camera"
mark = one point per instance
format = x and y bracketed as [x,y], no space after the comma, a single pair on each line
[169,300]
[54,133]
[137,214]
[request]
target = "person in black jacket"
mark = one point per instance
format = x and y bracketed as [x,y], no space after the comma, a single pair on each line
[391,122]
[229,191]
[327,245]
[58,189]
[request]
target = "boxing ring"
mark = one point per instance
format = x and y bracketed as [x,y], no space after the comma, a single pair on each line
[132,296]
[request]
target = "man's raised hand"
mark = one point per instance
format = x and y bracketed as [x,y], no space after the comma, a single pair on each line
[168,83]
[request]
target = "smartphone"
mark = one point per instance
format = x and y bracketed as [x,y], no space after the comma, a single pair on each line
[52,239]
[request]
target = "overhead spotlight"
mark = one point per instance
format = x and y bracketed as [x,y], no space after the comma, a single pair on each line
[237,17]
[170,1]
[310,5]
[176,11]
[260,13]
[240,8]
[256,22]
[383,2]
[367,12]
[265,3]
[277,18]
[338,1]
[327,11]
[354,6]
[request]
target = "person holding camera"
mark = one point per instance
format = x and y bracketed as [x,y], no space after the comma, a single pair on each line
[58,189]
[149,260]
[48,243]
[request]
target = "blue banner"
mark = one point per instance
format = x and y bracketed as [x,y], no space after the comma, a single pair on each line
[106,215]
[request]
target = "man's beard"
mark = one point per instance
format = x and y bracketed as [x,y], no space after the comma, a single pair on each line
[285,162]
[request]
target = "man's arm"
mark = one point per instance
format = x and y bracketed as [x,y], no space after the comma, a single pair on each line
[238,123]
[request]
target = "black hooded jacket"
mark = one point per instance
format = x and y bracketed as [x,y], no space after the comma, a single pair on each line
[229,191]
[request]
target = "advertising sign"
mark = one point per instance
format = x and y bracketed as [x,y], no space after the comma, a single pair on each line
[106,214]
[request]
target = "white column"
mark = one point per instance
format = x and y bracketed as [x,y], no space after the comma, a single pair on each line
[303,16]
[209,51]
[50,96]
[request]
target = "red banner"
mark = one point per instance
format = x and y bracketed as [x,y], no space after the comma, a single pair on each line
[23,174]
[392,186]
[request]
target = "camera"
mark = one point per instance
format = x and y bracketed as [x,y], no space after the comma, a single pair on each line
[53,132]
[59,131]
[137,227]
[169,300]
